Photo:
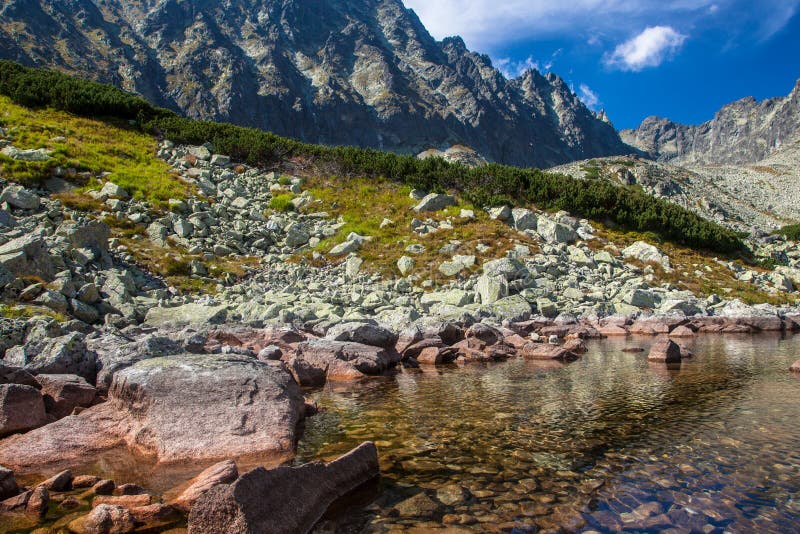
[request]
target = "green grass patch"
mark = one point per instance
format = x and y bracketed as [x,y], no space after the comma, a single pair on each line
[792,232]
[88,145]
[24,311]
[282,202]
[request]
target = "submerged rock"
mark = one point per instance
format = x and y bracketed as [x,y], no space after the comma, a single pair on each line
[546,351]
[666,351]
[106,519]
[284,500]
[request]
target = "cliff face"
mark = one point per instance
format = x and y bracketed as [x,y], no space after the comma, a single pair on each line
[359,72]
[744,131]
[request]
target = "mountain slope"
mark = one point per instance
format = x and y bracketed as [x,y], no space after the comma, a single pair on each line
[358,72]
[745,131]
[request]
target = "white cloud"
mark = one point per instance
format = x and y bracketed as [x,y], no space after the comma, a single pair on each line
[648,49]
[588,97]
[489,25]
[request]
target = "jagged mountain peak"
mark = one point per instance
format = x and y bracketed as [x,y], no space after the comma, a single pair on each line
[744,131]
[359,72]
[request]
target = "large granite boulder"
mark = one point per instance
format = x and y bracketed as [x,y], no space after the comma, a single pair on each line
[186,315]
[435,202]
[16,375]
[364,333]
[19,197]
[321,359]
[286,500]
[202,406]
[176,408]
[60,355]
[647,253]
[63,393]
[115,352]
[21,409]
[28,256]
[92,236]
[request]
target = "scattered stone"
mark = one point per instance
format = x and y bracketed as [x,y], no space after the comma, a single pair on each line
[405,265]
[682,331]
[59,482]
[490,289]
[420,505]
[16,375]
[321,359]
[348,247]
[106,519]
[186,315]
[647,253]
[19,197]
[84,481]
[524,219]
[435,202]
[128,501]
[500,213]
[38,502]
[555,232]
[110,189]
[61,355]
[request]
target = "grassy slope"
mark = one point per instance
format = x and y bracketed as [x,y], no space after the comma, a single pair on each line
[92,147]
[363,203]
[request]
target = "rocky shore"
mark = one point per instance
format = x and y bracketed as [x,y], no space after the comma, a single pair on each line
[114,357]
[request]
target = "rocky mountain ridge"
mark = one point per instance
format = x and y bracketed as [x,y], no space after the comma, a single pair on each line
[363,73]
[745,131]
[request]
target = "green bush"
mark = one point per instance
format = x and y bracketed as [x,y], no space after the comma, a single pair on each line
[791,232]
[282,202]
[482,186]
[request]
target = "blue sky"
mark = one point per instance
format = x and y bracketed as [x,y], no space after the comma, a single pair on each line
[681,59]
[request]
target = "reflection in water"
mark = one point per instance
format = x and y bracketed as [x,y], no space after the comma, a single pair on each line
[606,443]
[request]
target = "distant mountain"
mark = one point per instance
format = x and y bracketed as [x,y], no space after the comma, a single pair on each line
[745,131]
[360,72]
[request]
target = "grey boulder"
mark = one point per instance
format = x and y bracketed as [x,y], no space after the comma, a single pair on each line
[365,333]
